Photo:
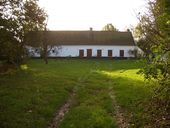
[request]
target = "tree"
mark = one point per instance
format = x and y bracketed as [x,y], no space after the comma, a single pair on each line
[109,27]
[44,42]
[17,18]
[154,38]
[45,47]
[154,29]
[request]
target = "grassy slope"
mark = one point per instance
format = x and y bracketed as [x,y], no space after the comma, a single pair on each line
[29,99]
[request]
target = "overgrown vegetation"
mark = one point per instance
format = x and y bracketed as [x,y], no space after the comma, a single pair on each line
[154,39]
[30,97]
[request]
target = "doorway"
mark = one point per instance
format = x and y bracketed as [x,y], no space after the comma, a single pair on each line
[109,53]
[89,53]
[121,53]
[81,53]
[99,53]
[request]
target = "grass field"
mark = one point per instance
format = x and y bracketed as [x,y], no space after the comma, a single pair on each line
[29,98]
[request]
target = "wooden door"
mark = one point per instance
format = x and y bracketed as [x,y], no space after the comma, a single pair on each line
[89,53]
[81,53]
[109,53]
[121,53]
[99,53]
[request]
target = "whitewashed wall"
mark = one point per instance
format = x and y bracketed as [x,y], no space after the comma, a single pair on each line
[33,51]
[73,50]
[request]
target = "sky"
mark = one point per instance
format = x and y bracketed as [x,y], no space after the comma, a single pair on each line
[83,14]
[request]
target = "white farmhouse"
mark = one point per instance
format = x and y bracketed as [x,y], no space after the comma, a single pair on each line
[87,44]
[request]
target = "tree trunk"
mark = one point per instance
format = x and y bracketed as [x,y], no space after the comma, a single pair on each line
[45,56]
[45,53]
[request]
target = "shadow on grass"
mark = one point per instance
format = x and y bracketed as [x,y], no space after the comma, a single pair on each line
[131,90]
[93,106]
[29,100]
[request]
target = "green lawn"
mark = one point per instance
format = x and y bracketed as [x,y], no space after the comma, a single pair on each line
[29,99]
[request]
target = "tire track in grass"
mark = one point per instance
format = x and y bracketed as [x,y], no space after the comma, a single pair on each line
[119,115]
[59,115]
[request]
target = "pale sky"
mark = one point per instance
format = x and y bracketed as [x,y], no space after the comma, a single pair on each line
[83,14]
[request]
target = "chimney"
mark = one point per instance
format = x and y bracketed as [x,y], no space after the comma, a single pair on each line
[91,34]
[91,29]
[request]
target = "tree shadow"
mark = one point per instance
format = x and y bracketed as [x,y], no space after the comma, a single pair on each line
[130,91]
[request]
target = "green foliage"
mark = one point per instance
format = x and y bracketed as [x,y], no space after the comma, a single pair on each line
[17,18]
[8,50]
[154,39]
[109,27]
[24,67]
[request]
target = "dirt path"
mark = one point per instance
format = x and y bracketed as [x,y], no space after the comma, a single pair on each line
[122,122]
[59,116]
[119,115]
